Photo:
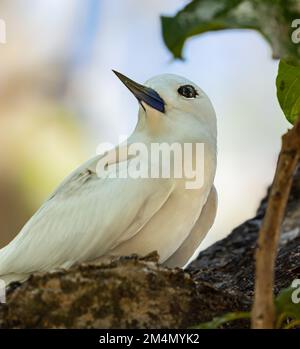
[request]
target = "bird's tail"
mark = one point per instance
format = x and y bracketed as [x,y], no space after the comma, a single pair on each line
[9,278]
[6,259]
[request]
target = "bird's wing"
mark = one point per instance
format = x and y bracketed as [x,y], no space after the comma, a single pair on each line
[84,218]
[198,233]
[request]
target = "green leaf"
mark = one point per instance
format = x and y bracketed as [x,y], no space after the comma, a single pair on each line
[271,18]
[286,308]
[285,305]
[220,320]
[288,89]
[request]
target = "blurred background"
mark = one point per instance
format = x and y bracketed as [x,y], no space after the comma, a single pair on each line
[59,98]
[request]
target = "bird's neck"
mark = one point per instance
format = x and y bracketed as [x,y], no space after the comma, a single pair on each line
[159,130]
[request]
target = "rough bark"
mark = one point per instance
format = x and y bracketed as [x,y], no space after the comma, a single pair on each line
[129,292]
[136,292]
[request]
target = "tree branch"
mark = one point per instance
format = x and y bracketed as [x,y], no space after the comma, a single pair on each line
[263,312]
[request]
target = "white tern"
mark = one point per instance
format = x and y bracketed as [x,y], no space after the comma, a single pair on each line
[90,216]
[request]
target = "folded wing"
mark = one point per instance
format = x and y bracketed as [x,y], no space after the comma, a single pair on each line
[84,218]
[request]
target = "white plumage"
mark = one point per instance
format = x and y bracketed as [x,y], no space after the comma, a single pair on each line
[88,217]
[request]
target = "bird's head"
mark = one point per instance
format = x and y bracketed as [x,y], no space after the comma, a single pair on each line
[169,99]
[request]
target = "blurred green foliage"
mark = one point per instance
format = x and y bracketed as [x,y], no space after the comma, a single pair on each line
[271,18]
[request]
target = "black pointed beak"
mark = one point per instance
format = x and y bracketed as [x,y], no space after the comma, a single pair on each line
[143,93]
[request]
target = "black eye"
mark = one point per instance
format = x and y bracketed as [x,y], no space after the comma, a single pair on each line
[187,91]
